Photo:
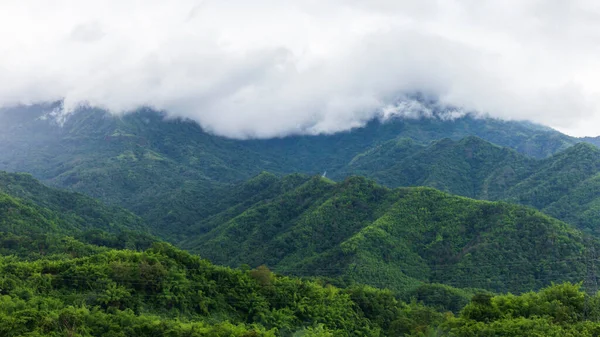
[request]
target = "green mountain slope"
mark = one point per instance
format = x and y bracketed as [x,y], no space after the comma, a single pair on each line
[167,292]
[564,185]
[175,175]
[558,175]
[399,238]
[38,220]
[66,284]
[168,170]
[469,167]
[82,211]
[58,276]
[561,310]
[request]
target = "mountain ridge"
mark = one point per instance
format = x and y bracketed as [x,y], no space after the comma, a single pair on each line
[141,160]
[39,220]
[367,233]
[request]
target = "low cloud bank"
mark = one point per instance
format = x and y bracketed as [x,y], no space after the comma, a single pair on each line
[271,68]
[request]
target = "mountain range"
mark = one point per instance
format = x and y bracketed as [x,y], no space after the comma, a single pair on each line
[64,270]
[143,159]
[564,185]
[379,229]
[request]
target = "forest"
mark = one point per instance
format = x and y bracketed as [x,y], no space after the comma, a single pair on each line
[60,277]
[168,292]
[141,226]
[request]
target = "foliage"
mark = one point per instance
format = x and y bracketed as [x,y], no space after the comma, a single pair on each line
[168,292]
[172,172]
[165,291]
[559,310]
[399,238]
[37,221]
[565,185]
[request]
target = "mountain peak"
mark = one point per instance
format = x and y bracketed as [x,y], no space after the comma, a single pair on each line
[579,151]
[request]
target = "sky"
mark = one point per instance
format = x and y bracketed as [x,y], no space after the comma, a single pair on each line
[268,68]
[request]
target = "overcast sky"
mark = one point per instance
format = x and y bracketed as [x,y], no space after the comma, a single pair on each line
[267,68]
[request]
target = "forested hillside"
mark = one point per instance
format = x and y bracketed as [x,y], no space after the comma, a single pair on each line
[166,292]
[180,180]
[362,232]
[163,291]
[36,220]
[143,146]
[169,170]
[353,231]
[59,276]
[63,269]
[564,185]
[470,167]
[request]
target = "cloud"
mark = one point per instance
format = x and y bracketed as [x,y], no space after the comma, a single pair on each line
[271,68]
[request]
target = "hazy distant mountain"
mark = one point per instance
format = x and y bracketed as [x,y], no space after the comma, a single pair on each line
[470,166]
[172,171]
[565,185]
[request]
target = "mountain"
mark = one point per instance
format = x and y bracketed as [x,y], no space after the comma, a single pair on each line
[161,168]
[72,265]
[469,167]
[60,275]
[180,179]
[38,220]
[399,238]
[80,211]
[592,140]
[564,185]
[66,284]
[316,153]
[559,177]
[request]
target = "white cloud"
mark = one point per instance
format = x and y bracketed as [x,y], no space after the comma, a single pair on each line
[268,68]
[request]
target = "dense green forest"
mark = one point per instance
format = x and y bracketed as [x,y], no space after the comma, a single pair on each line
[60,276]
[350,256]
[36,221]
[140,158]
[353,232]
[470,167]
[168,292]
[57,281]
[362,232]
[564,185]
[169,171]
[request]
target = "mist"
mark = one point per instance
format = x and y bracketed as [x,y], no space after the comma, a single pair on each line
[271,68]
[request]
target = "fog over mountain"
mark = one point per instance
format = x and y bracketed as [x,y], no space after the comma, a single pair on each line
[270,68]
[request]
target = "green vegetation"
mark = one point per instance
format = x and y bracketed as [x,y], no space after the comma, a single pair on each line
[469,167]
[70,265]
[565,185]
[560,310]
[170,171]
[36,221]
[361,232]
[165,291]
[54,284]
